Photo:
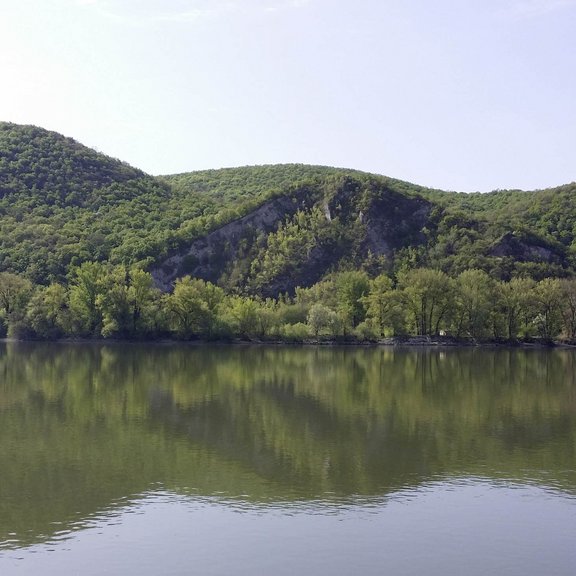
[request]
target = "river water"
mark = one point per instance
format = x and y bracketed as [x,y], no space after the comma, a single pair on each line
[174,459]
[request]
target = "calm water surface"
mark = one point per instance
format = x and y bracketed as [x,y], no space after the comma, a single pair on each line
[142,459]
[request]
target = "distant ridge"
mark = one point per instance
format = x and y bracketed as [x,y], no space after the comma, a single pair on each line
[261,229]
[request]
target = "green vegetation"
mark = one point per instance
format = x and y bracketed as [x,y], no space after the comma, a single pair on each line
[91,247]
[102,300]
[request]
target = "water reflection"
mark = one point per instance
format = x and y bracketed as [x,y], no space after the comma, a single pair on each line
[86,430]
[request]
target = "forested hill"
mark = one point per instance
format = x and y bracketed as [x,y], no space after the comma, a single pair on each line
[262,230]
[52,169]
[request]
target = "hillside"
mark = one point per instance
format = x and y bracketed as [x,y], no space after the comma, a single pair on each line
[62,203]
[264,229]
[295,238]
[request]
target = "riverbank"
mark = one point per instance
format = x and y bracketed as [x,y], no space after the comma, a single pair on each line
[395,341]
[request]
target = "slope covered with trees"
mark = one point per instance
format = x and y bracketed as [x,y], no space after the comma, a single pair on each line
[88,245]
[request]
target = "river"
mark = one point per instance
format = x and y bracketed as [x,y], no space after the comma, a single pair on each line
[173,459]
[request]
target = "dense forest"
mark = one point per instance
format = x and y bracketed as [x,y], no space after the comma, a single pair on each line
[91,247]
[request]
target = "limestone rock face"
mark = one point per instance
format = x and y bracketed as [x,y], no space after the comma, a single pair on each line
[357,221]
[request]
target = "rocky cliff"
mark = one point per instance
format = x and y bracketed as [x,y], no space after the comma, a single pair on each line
[281,244]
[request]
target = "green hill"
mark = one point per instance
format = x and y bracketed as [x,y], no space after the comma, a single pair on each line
[261,229]
[62,203]
[89,244]
[340,221]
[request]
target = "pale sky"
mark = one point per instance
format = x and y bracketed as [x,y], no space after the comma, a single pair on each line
[456,94]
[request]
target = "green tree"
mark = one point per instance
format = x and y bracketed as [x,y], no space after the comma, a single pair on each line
[127,302]
[194,307]
[548,295]
[48,313]
[267,317]
[568,308]
[513,308]
[474,301]
[427,296]
[113,303]
[243,315]
[15,291]
[383,306]
[86,284]
[351,289]
[322,320]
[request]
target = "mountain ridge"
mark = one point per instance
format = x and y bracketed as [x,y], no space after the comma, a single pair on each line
[62,204]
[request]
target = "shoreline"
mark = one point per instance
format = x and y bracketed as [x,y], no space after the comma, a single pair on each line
[391,342]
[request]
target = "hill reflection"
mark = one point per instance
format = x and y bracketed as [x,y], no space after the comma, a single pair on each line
[86,428]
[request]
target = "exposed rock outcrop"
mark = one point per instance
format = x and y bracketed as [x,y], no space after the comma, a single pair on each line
[363,218]
[206,256]
[523,250]
[394,221]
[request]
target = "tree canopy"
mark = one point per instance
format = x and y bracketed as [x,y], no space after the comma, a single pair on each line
[87,240]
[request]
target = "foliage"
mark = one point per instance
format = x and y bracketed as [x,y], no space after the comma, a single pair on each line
[322,320]
[427,297]
[193,307]
[102,300]
[303,251]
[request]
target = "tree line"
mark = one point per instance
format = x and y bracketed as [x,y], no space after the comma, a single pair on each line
[102,300]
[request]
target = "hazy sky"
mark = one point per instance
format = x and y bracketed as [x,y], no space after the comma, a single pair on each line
[456,94]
